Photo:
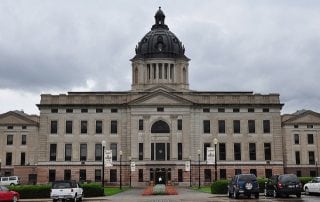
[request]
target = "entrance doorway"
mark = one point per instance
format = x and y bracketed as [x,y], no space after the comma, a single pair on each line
[160,175]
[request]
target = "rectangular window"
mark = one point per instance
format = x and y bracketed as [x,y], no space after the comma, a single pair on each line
[268,173]
[179,124]
[168,151]
[237,151]
[113,175]
[160,70]
[313,173]
[310,139]
[309,126]
[98,152]
[207,175]
[9,139]
[223,174]
[297,153]
[253,171]
[205,146]
[171,72]
[222,126]
[267,151]
[67,152]
[152,151]
[237,171]
[140,175]
[83,152]
[148,71]
[298,173]
[206,126]
[236,126]
[154,68]
[252,151]
[84,110]
[251,110]
[97,175]
[265,109]
[54,110]
[140,124]
[98,127]
[24,127]
[140,151]
[54,127]
[296,126]
[84,127]
[180,175]
[221,110]
[179,151]
[99,110]
[53,152]
[251,126]
[206,110]
[9,127]
[311,158]
[23,140]
[266,126]
[236,110]
[113,147]
[222,151]
[8,158]
[68,127]
[166,70]
[296,139]
[114,127]
[67,174]
[82,175]
[160,109]
[114,110]
[52,175]
[69,110]
[23,158]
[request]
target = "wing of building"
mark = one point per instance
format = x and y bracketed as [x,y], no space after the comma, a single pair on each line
[160,125]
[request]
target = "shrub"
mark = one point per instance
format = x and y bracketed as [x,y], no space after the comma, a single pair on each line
[32,191]
[219,187]
[92,190]
[262,183]
[305,180]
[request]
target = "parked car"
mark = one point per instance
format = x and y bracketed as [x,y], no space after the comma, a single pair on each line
[7,195]
[243,184]
[9,181]
[283,185]
[66,190]
[313,186]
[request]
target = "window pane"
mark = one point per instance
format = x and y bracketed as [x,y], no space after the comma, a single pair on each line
[23,158]
[222,126]
[67,174]
[52,175]
[206,126]
[83,152]
[140,124]
[179,151]
[68,152]
[84,127]
[222,151]
[311,158]
[9,139]
[113,175]
[68,127]
[97,175]
[54,127]
[251,126]
[23,139]
[8,158]
[252,151]
[236,126]
[140,175]
[267,151]
[310,139]
[113,147]
[180,175]
[98,127]
[98,152]
[207,175]
[297,153]
[237,151]
[179,124]
[140,151]
[114,127]
[53,152]
[266,126]
[205,145]
[296,139]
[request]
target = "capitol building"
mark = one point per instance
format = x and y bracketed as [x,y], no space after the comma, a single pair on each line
[160,128]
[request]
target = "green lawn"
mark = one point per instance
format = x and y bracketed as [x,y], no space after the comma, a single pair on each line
[109,191]
[206,189]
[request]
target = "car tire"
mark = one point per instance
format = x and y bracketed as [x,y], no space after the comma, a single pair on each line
[249,195]
[307,191]
[298,195]
[235,194]
[274,194]
[256,195]
[12,184]
[14,199]
[229,194]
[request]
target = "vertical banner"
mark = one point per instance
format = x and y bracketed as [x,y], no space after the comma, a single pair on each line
[187,166]
[108,158]
[210,155]
[133,166]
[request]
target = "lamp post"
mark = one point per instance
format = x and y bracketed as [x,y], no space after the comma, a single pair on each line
[316,166]
[103,147]
[199,166]
[0,168]
[190,171]
[130,171]
[215,142]
[120,170]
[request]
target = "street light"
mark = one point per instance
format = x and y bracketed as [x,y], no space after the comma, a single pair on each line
[0,168]
[120,170]
[103,147]
[130,171]
[199,166]
[190,170]
[215,142]
[316,166]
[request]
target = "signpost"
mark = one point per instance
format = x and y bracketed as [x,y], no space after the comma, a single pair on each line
[108,158]
[187,168]
[211,155]
[133,166]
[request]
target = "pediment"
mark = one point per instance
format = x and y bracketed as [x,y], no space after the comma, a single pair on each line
[12,118]
[308,117]
[160,98]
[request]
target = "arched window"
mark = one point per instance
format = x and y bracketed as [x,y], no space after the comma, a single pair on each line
[160,127]
[136,75]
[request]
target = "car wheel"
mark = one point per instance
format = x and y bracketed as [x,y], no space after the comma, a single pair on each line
[14,199]
[229,194]
[256,195]
[298,195]
[307,191]
[249,195]
[12,184]
[275,195]
[235,194]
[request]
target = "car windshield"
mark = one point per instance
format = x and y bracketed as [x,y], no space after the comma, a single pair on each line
[288,178]
[61,185]
[247,177]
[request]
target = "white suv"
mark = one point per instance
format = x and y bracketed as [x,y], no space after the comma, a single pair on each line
[9,181]
[66,190]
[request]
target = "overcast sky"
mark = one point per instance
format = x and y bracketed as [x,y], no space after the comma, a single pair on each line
[266,46]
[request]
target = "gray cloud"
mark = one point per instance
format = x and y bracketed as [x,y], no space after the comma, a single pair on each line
[263,46]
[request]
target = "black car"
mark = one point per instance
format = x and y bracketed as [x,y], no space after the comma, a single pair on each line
[243,184]
[283,185]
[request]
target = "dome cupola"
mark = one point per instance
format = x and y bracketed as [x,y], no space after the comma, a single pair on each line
[160,42]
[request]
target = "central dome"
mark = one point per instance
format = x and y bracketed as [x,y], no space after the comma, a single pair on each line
[160,42]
